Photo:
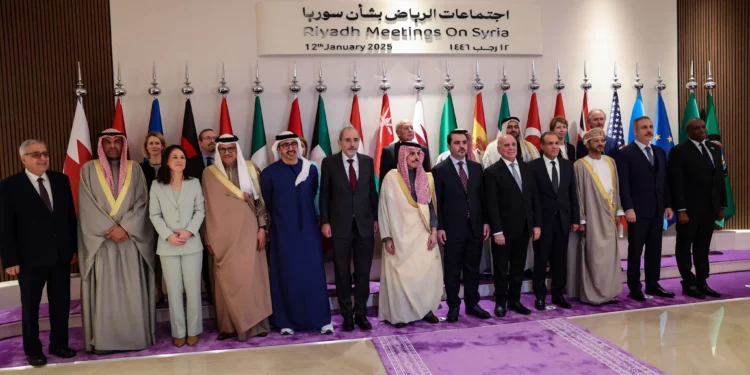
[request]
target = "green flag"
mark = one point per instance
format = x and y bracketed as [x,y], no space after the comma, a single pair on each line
[259,151]
[691,112]
[714,134]
[447,123]
[321,142]
[504,111]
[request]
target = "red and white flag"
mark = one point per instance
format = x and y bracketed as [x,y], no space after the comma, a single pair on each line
[419,123]
[356,122]
[118,123]
[533,127]
[295,120]
[385,134]
[225,122]
[79,150]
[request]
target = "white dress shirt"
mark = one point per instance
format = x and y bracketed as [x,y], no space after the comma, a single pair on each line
[465,166]
[33,178]
[643,149]
[355,164]
[698,145]
[548,164]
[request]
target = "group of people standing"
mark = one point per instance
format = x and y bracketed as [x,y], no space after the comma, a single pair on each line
[255,237]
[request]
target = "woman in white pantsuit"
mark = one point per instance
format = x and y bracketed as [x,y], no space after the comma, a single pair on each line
[176,209]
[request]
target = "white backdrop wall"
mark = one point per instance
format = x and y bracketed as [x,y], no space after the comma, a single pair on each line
[205,33]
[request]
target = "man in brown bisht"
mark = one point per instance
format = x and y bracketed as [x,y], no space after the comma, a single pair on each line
[116,250]
[236,237]
[599,277]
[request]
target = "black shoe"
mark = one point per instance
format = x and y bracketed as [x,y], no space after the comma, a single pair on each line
[660,292]
[431,318]
[562,302]
[348,324]
[705,289]
[637,295]
[540,305]
[528,274]
[37,360]
[63,352]
[500,310]
[362,322]
[452,316]
[692,291]
[478,312]
[519,308]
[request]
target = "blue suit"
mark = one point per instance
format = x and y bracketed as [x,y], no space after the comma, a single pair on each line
[644,188]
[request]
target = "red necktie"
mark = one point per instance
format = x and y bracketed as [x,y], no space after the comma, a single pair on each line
[352,175]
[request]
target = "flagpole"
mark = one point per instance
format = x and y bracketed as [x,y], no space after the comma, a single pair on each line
[80,89]
[257,88]
[419,86]
[321,87]
[559,86]
[295,87]
[710,84]
[448,85]
[119,91]
[586,85]
[616,85]
[187,90]
[691,84]
[355,87]
[384,85]
[154,90]
[223,88]
[504,86]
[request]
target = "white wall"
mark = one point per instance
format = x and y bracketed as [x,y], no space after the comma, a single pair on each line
[205,33]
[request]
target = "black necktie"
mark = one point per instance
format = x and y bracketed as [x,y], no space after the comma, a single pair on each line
[43,193]
[209,161]
[555,180]
[704,151]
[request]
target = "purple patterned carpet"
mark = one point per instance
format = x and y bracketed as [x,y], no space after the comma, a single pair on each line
[731,285]
[555,346]
[713,258]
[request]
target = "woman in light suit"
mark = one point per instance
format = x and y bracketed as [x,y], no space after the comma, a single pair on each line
[176,209]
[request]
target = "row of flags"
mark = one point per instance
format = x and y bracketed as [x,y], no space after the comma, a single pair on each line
[80,151]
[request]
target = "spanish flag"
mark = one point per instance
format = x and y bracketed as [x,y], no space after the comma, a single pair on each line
[480,129]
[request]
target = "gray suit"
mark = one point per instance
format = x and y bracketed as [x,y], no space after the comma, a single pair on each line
[351,214]
[171,211]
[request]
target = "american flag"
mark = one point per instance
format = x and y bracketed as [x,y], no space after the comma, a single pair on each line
[614,130]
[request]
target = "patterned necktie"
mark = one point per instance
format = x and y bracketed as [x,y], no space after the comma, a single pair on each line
[43,193]
[650,155]
[209,161]
[464,181]
[516,175]
[352,175]
[704,151]
[555,180]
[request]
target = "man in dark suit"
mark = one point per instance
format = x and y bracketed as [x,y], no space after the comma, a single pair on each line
[388,159]
[696,179]
[645,197]
[459,190]
[38,238]
[596,119]
[514,214]
[194,168]
[558,196]
[348,214]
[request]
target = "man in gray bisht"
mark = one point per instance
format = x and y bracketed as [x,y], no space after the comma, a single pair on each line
[116,249]
[596,274]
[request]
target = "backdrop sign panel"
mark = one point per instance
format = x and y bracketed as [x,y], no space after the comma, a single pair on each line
[398,27]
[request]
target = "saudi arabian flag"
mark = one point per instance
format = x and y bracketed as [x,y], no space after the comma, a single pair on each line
[504,111]
[321,142]
[259,150]
[714,134]
[447,123]
[691,112]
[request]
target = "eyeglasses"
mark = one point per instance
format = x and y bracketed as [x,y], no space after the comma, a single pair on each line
[286,146]
[208,138]
[37,155]
[228,150]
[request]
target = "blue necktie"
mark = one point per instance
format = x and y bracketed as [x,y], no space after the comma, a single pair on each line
[516,175]
[650,155]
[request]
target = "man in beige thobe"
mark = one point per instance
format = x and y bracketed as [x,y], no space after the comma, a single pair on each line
[117,252]
[236,237]
[411,280]
[597,272]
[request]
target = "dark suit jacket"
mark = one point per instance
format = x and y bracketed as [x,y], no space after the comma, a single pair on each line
[195,167]
[389,159]
[508,209]
[643,187]
[453,202]
[564,202]
[610,147]
[149,172]
[339,204]
[695,185]
[31,235]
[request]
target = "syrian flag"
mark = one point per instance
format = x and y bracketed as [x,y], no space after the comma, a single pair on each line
[118,123]
[419,123]
[259,150]
[79,150]
[385,135]
[321,142]
[225,122]
[356,122]
[189,139]
[533,127]
[295,120]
